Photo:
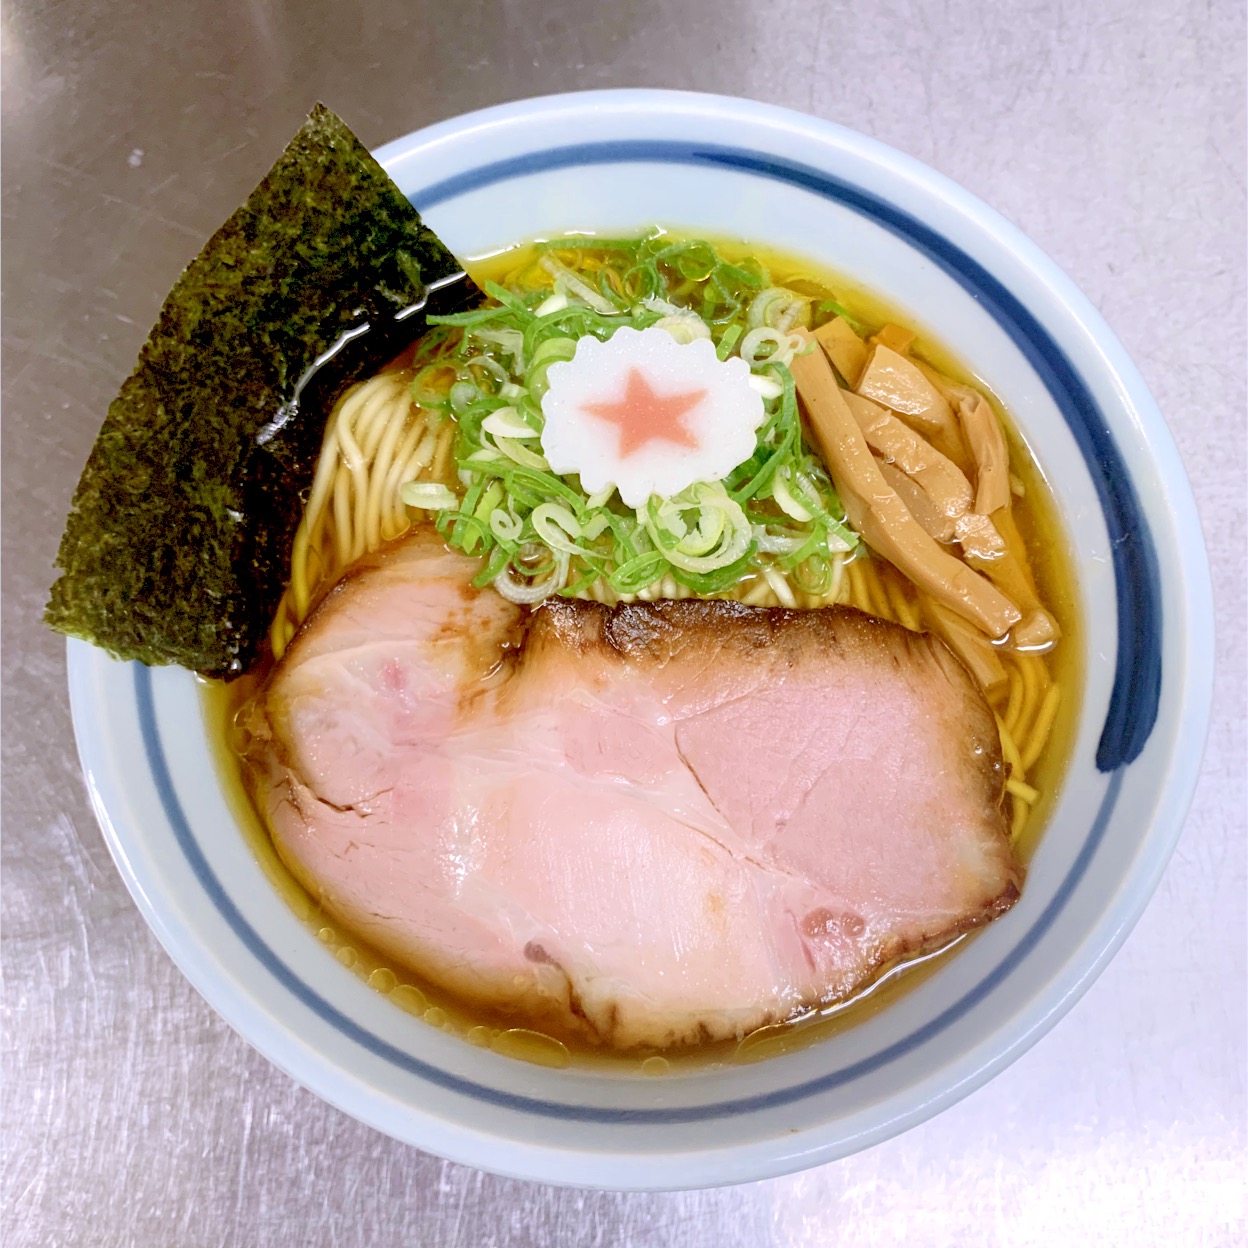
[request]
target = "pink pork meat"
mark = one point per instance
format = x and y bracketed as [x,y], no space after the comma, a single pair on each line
[648,825]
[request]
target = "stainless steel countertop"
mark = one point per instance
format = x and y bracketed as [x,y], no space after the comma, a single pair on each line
[1113,133]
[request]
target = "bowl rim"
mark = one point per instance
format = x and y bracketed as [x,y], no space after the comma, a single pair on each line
[1166,820]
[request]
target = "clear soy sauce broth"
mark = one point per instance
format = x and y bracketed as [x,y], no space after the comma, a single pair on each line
[1047,550]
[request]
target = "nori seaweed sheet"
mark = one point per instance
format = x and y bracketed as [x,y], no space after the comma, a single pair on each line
[177,547]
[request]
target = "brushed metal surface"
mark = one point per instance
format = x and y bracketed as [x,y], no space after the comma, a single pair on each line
[1112,133]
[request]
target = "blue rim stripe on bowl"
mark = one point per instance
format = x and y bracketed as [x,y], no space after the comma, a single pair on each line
[1133,703]
[1137,674]
[374,1044]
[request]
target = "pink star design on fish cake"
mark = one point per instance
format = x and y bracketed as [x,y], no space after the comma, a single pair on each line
[643,416]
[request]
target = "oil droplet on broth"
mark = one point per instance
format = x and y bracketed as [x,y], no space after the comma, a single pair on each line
[480,1036]
[532,1046]
[327,935]
[656,1066]
[435,1016]
[347,956]
[383,979]
[411,999]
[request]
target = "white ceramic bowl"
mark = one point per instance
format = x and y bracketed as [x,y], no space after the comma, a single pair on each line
[617,161]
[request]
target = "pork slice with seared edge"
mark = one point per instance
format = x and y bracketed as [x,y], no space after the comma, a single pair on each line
[645,825]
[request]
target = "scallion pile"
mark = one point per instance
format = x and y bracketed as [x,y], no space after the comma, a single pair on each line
[538,533]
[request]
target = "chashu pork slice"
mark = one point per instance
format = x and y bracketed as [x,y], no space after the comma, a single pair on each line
[647,825]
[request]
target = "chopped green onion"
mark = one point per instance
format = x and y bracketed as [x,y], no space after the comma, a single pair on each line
[506,422]
[428,496]
[729,340]
[828,308]
[571,283]
[589,243]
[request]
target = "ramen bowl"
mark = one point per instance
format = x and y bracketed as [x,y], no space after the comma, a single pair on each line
[615,163]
